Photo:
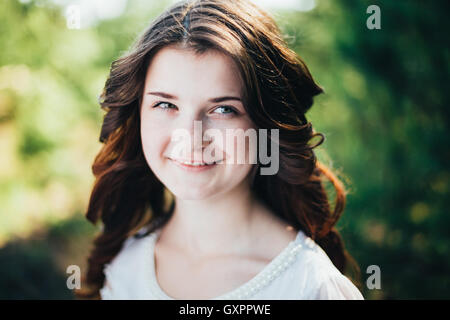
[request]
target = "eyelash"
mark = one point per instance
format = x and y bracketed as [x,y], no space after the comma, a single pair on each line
[233,111]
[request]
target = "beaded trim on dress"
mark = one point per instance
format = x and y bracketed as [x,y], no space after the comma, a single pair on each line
[269,273]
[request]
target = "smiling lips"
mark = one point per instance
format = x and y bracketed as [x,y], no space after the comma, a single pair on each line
[194,166]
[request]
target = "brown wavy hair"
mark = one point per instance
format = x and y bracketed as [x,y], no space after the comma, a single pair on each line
[279,90]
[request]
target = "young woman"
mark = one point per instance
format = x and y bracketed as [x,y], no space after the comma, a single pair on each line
[182,227]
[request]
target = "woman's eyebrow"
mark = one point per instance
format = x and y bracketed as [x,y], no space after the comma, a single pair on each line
[215,100]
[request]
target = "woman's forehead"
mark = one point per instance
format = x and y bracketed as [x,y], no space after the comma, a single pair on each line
[172,68]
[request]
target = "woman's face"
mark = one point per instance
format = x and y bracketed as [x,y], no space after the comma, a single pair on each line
[180,89]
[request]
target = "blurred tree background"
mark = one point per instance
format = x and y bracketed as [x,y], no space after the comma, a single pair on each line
[384,115]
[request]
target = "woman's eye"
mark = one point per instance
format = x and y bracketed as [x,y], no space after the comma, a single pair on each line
[225,110]
[222,110]
[164,105]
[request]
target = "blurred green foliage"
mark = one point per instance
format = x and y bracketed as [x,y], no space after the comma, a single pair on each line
[384,114]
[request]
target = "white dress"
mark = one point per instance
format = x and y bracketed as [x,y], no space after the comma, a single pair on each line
[301,271]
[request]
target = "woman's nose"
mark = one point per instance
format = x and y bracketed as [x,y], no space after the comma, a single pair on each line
[196,139]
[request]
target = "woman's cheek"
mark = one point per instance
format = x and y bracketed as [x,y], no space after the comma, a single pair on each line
[152,134]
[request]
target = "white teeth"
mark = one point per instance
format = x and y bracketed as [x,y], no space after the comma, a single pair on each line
[193,163]
[199,163]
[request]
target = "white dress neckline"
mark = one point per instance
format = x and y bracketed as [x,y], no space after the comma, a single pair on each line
[249,288]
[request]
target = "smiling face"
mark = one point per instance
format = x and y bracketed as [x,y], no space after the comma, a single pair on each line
[182,89]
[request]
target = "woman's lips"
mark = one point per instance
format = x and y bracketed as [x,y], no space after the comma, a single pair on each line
[194,168]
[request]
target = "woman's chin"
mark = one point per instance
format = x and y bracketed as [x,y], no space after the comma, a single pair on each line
[192,195]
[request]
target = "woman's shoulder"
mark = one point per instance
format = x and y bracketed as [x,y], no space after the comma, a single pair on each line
[319,277]
[129,255]
[117,271]
[131,248]
[312,254]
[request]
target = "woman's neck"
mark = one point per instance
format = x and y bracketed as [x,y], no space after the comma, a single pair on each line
[226,223]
